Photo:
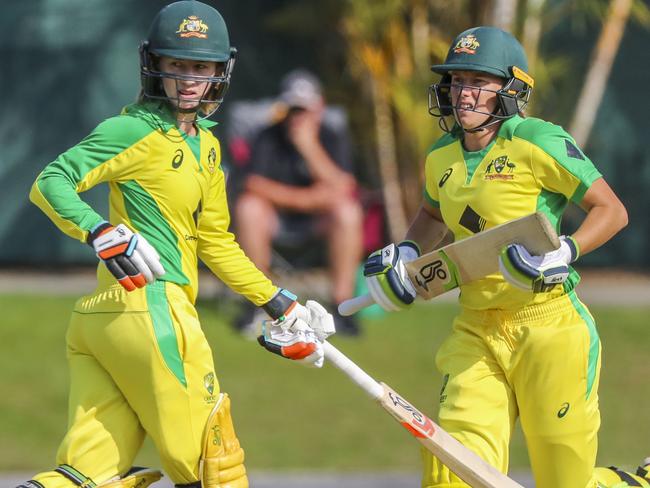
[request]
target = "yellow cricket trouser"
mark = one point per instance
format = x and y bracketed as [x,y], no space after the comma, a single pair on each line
[542,364]
[139,365]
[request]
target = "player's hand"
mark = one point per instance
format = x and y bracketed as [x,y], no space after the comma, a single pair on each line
[296,331]
[538,273]
[386,277]
[128,256]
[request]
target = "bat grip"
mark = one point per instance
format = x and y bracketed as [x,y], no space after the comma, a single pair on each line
[353,305]
[354,372]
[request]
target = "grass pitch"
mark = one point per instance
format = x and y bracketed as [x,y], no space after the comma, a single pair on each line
[293,418]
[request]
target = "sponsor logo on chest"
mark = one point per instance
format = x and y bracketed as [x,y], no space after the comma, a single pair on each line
[500,168]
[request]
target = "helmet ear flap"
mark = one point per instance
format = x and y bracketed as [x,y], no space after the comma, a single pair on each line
[513,97]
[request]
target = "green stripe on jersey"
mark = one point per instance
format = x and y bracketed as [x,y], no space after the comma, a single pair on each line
[148,220]
[432,202]
[552,205]
[58,181]
[594,341]
[164,329]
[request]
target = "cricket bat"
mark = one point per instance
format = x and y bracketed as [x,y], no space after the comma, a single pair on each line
[470,259]
[467,465]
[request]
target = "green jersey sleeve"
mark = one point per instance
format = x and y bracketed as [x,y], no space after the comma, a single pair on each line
[102,156]
[560,166]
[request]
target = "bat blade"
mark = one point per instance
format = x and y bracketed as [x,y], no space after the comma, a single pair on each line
[478,256]
[462,461]
[467,465]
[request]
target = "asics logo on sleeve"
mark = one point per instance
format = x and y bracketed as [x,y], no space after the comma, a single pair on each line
[445,177]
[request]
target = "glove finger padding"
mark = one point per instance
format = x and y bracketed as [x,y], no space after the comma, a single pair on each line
[321,321]
[537,273]
[142,267]
[128,256]
[150,257]
[387,279]
[296,341]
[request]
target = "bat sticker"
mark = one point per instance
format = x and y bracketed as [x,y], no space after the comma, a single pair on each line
[420,425]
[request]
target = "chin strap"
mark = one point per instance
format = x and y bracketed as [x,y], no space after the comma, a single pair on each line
[488,123]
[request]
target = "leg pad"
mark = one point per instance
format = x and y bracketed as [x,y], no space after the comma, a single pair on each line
[136,477]
[222,463]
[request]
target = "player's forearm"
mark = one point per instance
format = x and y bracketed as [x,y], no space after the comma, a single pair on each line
[56,196]
[427,228]
[601,224]
[606,216]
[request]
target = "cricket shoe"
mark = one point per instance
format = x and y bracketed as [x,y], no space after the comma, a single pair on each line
[644,469]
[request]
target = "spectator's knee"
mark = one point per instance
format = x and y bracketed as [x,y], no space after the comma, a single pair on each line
[347,213]
[251,208]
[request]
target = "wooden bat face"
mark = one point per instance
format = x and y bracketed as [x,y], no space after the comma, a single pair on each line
[465,463]
[474,258]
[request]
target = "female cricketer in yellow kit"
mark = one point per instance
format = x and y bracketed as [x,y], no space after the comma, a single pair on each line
[523,345]
[139,362]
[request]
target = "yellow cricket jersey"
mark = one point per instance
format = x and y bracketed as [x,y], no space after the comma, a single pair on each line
[165,185]
[532,165]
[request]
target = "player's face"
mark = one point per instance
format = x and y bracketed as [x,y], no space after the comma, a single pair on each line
[473,94]
[187,93]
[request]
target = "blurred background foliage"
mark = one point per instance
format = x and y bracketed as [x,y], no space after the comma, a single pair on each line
[71,63]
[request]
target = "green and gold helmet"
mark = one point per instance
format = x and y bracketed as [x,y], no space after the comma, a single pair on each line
[191,30]
[489,50]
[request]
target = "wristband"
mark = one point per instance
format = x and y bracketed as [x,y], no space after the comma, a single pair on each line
[573,246]
[279,305]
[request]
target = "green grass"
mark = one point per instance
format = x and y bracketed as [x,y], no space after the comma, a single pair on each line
[290,417]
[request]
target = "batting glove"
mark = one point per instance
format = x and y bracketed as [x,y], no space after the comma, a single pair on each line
[386,277]
[128,256]
[296,332]
[538,273]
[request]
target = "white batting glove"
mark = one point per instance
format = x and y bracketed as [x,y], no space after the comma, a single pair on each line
[386,277]
[128,256]
[296,341]
[296,333]
[538,273]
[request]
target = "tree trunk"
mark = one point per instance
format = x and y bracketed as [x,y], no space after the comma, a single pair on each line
[386,155]
[532,33]
[504,13]
[599,69]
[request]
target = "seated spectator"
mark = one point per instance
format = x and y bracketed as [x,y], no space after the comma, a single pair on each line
[299,184]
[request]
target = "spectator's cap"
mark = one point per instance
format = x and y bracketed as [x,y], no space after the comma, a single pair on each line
[301,89]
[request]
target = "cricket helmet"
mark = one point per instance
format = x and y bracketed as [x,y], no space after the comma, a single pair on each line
[190,30]
[489,50]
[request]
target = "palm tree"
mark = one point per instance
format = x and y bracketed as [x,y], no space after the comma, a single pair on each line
[599,69]
[391,44]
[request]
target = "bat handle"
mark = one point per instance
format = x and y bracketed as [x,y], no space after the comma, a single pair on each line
[354,372]
[353,305]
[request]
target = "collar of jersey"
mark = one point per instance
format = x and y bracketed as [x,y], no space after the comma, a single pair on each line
[161,114]
[506,131]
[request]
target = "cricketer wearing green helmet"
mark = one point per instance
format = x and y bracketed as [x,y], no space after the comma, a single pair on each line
[142,364]
[188,31]
[490,51]
[523,347]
